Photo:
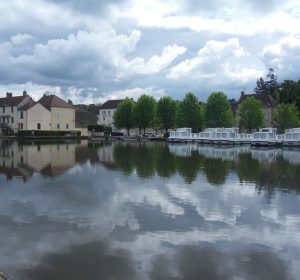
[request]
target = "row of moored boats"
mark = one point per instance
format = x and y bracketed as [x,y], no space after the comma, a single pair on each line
[231,136]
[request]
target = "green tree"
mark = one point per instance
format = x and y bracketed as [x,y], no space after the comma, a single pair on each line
[166,112]
[250,114]
[218,112]
[286,116]
[268,85]
[289,92]
[190,113]
[123,116]
[144,112]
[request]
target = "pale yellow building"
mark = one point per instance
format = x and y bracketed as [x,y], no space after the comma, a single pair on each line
[62,112]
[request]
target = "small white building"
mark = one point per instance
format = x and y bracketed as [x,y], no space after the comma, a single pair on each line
[10,116]
[106,113]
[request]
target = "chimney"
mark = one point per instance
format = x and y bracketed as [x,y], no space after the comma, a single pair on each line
[242,93]
[24,92]
[8,94]
[70,102]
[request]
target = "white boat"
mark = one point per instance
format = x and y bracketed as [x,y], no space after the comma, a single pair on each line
[206,136]
[180,135]
[264,137]
[243,138]
[291,137]
[225,136]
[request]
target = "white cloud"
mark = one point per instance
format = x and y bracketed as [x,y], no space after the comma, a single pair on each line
[217,61]
[155,64]
[239,19]
[284,55]
[21,38]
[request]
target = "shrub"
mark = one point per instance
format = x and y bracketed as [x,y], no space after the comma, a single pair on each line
[24,133]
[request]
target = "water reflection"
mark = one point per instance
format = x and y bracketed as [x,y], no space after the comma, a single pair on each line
[268,168]
[148,211]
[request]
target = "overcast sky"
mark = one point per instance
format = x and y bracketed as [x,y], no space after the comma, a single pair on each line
[93,50]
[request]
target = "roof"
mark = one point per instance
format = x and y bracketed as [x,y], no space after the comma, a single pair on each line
[111,104]
[91,108]
[266,99]
[52,100]
[27,105]
[83,118]
[12,100]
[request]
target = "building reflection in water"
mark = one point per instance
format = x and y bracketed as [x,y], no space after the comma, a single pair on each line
[265,167]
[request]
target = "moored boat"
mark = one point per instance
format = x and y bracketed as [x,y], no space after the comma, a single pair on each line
[291,137]
[264,137]
[225,136]
[180,135]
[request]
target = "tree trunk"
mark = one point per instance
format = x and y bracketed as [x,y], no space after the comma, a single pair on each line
[144,130]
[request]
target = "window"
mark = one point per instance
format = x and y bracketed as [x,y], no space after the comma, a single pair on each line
[12,119]
[8,120]
[104,118]
[232,135]
[223,135]
[3,109]
[103,112]
[12,108]
[21,125]
[67,126]
[21,114]
[38,126]
[58,126]
[108,112]
[218,135]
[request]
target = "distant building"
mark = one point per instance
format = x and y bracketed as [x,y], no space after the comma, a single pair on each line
[62,112]
[268,103]
[10,118]
[106,112]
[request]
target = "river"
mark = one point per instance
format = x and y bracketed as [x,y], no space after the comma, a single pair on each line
[113,210]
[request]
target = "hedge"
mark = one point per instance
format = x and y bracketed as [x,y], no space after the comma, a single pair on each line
[99,128]
[23,133]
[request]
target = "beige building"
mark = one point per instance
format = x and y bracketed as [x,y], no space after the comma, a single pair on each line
[34,117]
[62,112]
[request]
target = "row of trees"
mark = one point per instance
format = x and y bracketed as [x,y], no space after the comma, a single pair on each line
[168,113]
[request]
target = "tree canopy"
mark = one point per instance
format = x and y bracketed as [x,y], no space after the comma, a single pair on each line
[250,114]
[166,112]
[190,114]
[268,85]
[144,111]
[123,116]
[286,116]
[218,112]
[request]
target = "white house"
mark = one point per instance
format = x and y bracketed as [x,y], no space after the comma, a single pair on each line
[106,112]
[10,117]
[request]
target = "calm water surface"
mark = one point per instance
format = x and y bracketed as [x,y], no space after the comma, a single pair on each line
[148,211]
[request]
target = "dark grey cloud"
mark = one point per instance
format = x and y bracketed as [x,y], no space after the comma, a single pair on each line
[87,47]
[94,7]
